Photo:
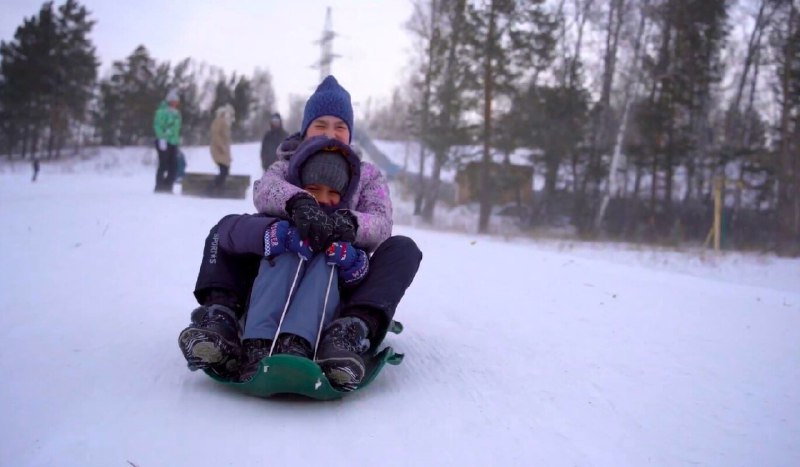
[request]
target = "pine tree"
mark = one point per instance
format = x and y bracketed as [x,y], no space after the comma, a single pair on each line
[684,74]
[242,102]
[130,96]
[76,75]
[450,95]
[15,90]
[444,90]
[500,59]
[48,74]
[262,105]
[223,94]
[194,125]
[786,43]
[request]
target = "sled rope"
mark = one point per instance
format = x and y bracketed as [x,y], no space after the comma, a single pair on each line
[286,306]
[324,309]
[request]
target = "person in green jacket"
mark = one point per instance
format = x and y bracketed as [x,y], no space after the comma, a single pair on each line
[167,127]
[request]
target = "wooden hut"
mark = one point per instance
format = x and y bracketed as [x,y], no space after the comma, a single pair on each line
[509,183]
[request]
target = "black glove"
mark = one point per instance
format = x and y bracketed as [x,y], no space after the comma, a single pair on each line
[345,226]
[311,221]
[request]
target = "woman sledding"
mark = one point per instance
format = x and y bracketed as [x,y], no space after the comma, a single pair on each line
[305,220]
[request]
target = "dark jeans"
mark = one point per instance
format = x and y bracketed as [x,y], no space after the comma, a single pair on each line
[392,268]
[167,167]
[219,180]
[311,305]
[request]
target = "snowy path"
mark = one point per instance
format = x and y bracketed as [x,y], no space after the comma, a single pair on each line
[516,353]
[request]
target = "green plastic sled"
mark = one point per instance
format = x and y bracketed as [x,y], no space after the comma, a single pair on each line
[289,374]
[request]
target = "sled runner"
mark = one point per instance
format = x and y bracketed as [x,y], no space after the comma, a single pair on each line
[289,374]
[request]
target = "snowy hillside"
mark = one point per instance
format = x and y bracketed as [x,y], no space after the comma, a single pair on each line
[517,352]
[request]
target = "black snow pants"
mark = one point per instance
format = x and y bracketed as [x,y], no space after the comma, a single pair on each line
[392,268]
[167,167]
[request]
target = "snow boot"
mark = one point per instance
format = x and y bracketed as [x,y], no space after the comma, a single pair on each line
[292,344]
[212,340]
[253,351]
[341,352]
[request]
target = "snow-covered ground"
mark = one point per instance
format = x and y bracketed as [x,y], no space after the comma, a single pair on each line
[518,352]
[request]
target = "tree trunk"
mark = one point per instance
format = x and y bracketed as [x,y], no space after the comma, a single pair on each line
[433,189]
[669,169]
[488,77]
[25,141]
[753,47]
[51,138]
[580,185]
[419,193]
[630,93]
[654,183]
[617,8]
[788,202]
[599,136]
[426,108]
[571,70]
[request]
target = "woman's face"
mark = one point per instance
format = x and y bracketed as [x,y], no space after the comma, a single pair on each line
[330,126]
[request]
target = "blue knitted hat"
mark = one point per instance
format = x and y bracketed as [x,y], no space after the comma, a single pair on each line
[329,99]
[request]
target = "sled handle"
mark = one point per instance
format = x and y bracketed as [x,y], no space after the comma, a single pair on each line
[395,359]
[395,327]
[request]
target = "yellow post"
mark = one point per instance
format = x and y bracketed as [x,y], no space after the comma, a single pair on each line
[718,185]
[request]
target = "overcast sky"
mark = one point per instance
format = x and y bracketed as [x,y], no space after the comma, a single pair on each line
[241,35]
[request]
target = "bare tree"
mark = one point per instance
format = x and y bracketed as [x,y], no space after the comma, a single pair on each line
[424,24]
[632,87]
[787,39]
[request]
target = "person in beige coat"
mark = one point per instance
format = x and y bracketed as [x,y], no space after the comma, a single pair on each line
[221,143]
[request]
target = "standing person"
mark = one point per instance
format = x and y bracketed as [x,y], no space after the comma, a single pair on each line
[36,167]
[167,127]
[221,144]
[366,311]
[272,139]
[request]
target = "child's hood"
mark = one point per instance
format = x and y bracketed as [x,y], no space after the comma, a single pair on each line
[311,146]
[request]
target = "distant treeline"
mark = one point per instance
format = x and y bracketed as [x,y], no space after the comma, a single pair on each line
[630,109]
[51,97]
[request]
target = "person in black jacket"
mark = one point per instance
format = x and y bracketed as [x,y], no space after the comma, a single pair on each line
[272,139]
[36,167]
[329,170]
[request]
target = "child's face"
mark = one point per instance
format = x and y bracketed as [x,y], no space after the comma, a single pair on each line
[330,126]
[324,194]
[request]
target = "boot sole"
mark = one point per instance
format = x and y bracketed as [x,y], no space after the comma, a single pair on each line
[206,350]
[344,373]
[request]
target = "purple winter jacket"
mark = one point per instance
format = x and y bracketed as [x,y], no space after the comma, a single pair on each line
[370,201]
